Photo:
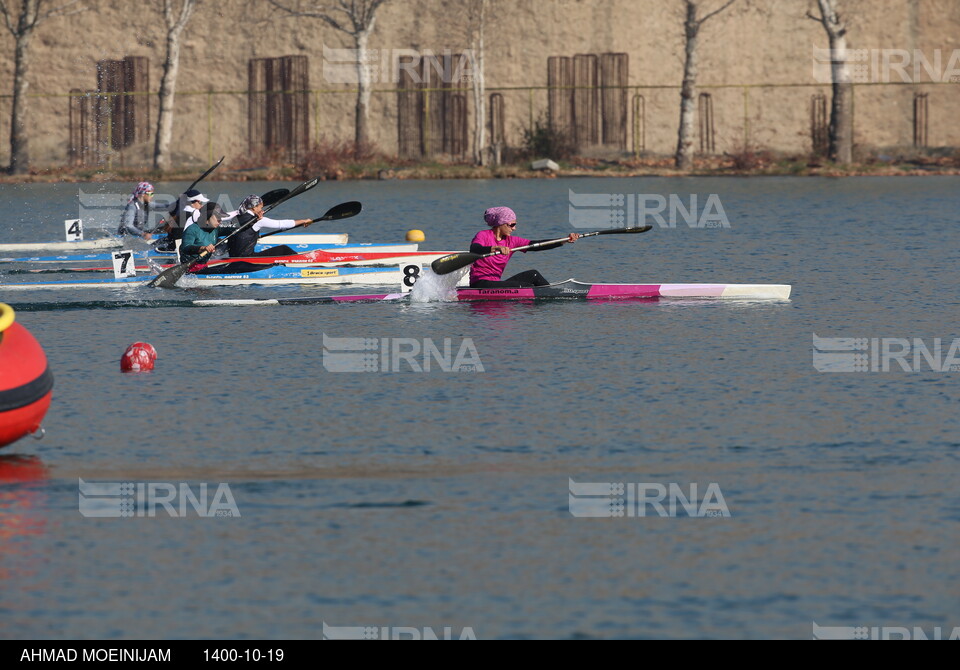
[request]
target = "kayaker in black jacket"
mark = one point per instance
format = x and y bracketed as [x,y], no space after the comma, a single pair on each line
[244,243]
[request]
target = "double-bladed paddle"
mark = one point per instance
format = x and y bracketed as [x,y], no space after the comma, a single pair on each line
[453,262]
[169,277]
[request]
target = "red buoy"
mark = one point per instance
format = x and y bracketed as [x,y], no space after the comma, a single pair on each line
[26,384]
[138,357]
[15,468]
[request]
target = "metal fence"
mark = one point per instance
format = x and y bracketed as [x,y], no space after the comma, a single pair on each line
[108,128]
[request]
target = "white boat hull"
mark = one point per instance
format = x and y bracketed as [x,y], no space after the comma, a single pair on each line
[305,238]
[80,245]
[118,242]
[271,275]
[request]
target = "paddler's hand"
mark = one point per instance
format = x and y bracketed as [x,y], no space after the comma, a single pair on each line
[147,236]
[573,237]
[304,222]
[501,250]
[210,248]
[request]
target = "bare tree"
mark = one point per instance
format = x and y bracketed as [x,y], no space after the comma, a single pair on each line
[692,25]
[21,25]
[841,108]
[356,18]
[176,20]
[477,20]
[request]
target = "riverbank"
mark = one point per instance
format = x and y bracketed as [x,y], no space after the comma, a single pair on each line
[747,164]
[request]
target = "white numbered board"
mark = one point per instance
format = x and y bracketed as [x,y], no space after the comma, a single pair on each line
[73,230]
[124,264]
[411,273]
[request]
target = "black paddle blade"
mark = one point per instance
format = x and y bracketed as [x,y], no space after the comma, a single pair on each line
[453,262]
[302,188]
[169,277]
[271,197]
[624,231]
[342,211]
[206,174]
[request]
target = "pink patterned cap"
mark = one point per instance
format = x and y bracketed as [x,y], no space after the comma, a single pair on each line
[497,216]
[142,187]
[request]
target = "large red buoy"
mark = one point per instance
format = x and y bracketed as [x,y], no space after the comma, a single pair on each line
[26,383]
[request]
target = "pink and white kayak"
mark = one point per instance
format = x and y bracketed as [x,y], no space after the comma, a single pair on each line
[565,289]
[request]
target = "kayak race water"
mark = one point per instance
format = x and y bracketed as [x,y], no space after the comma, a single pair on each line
[457,459]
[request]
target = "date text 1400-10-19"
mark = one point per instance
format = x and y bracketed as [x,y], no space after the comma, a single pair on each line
[247,655]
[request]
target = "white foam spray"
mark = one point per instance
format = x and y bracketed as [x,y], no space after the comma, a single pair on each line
[431,287]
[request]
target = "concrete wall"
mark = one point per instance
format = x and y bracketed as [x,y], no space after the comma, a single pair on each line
[766,46]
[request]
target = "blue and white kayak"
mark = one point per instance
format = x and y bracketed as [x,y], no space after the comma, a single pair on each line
[274,274]
[168,256]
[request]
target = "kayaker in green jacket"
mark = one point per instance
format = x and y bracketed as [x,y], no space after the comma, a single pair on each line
[203,236]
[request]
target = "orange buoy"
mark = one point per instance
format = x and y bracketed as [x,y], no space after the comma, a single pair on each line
[26,384]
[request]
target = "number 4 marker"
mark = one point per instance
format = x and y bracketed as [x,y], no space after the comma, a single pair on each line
[74,229]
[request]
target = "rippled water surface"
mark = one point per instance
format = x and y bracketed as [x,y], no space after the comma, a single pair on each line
[441,499]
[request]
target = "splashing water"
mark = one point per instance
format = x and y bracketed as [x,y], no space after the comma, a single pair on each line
[188,281]
[431,287]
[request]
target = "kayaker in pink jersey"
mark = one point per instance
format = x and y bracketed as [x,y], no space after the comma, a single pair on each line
[500,239]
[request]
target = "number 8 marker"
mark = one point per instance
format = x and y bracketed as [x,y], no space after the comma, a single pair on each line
[411,273]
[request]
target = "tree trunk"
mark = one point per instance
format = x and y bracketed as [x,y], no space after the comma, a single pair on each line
[684,157]
[841,108]
[480,149]
[362,131]
[841,121]
[19,144]
[168,88]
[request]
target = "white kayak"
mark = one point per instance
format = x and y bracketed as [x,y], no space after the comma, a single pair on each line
[118,242]
[79,245]
[314,239]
